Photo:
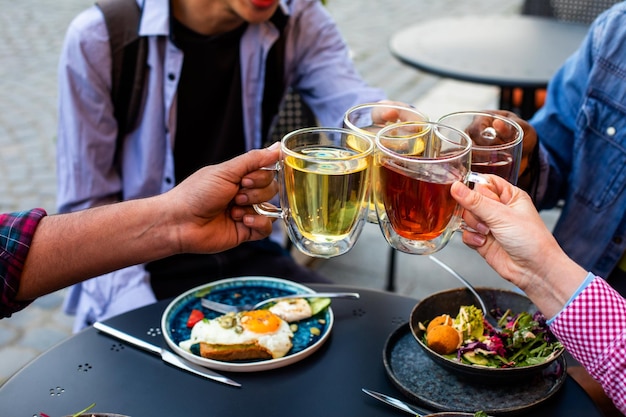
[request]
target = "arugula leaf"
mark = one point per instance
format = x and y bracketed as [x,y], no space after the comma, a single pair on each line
[85,410]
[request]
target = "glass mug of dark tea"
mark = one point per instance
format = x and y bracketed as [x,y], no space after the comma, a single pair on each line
[415,164]
[496,142]
[324,182]
[369,118]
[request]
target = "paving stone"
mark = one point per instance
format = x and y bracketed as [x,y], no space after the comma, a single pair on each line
[40,339]
[49,302]
[13,359]
[7,335]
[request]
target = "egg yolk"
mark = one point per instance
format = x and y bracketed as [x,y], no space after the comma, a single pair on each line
[260,321]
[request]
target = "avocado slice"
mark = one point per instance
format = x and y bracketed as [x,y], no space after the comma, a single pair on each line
[475,358]
[318,304]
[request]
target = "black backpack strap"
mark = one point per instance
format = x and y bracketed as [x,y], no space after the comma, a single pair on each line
[128,53]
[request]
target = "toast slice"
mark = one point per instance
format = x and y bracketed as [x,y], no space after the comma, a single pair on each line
[233,352]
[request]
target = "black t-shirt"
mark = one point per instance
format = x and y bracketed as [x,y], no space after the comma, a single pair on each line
[209,125]
[209,129]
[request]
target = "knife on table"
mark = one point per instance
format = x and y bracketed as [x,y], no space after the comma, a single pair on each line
[411,409]
[165,355]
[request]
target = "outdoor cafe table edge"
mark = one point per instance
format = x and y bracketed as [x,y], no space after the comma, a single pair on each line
[505,51]
[91,367]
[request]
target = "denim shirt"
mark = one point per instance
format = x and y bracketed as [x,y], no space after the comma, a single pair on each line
[317,65]
[582,135]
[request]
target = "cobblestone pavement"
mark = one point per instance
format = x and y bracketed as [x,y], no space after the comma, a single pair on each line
[31,34]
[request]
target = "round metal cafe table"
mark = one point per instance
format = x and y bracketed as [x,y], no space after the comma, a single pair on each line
[91,367]
[505,51]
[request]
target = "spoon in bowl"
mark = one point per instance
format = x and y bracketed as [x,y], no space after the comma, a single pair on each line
[488,314]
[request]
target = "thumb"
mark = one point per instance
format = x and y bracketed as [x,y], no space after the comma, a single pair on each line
[254,160]
[473,201]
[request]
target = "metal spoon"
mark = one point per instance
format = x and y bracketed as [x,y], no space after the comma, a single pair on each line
[486,312]
[411,409]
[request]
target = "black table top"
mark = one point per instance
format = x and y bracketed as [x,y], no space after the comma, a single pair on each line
[92,367]
[506,51]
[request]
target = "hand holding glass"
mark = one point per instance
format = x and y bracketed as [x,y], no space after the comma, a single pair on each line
[323,178]
[416,164]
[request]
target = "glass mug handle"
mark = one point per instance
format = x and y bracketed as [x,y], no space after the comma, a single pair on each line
[472,178]
[475,178]
[266,208]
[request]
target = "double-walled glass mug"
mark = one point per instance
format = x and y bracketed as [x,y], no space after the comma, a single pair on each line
[497,142]
[324,180]
[416,212]
[369,118]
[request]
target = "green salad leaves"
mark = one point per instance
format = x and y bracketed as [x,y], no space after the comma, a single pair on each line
[525,339]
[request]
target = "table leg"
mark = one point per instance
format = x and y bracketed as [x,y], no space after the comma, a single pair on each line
[391,270]
[506,99]
[529,103]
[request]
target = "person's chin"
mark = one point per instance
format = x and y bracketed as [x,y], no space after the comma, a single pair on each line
[257,11]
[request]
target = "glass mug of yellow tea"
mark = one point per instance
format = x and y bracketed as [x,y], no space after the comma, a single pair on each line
[324,179]
[369,118]
[415,210]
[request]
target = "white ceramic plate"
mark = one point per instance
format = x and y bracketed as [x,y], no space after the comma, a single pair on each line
[237,291]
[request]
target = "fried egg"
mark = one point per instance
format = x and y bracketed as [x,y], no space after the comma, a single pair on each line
[292,310]
[258,328]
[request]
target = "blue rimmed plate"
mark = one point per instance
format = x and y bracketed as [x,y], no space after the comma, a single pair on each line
[238,291]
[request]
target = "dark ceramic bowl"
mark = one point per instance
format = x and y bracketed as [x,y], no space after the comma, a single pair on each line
[449,302]
[450,414]
[88,414]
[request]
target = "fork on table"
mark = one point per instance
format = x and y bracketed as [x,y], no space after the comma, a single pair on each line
[227,308]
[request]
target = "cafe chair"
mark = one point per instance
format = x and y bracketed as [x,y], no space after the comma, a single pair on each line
[294,114]
[526,101]
[578,11]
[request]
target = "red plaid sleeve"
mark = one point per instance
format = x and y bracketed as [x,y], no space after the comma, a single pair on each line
[593,329]
[16,235]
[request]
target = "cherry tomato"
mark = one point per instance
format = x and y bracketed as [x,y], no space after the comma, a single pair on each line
[194,317]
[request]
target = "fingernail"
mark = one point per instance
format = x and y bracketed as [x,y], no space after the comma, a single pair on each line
[274,145]
[478,240]
[482,228]
[241,199]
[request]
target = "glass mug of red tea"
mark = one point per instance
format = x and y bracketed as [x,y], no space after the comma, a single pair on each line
[496,142]
[369,118]
[416,164]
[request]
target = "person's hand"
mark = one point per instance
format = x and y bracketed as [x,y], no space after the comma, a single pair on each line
[507,230]
[211,209]
[530,138]
[385,116]
[509,233]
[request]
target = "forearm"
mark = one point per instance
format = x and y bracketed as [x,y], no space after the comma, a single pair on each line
[69,248]
[552,286]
